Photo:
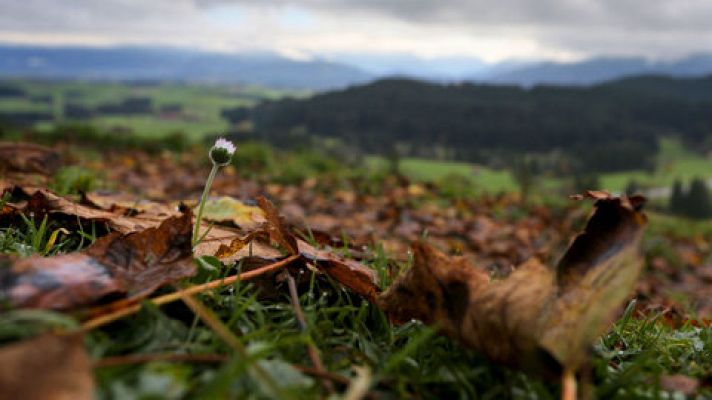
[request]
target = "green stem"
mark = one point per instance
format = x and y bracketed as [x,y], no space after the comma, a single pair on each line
[203,200]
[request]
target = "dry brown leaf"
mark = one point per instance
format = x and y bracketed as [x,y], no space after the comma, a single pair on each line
[530,320]
[236,245]
[349,273]
[42,201]
[232,246]
[47,367]
[127,205]
[131,265]
[276,227]
[28,158]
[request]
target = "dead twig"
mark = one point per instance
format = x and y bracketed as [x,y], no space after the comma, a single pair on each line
[171,297]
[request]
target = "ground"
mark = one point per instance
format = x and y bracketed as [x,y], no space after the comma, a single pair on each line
[661,342]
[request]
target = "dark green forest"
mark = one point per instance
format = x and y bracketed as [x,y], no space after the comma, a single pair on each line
[608,127]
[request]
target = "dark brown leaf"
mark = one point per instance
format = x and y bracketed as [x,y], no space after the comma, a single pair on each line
[131,266]
[529,320]
[47,367]
[350,273]
[42,201]
[276,227]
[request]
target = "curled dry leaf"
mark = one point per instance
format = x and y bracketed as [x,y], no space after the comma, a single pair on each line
[537,319]
[47,367]
[116,265]
[127,205]
[229,245]
[42,201]
[276,227]
[349,273]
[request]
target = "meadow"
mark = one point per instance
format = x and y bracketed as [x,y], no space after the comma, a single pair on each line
[200,104]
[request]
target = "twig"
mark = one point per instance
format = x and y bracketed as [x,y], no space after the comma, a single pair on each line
[311,348]
[171,297]
[568,385]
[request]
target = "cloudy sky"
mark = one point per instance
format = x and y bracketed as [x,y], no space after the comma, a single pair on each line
[563,30]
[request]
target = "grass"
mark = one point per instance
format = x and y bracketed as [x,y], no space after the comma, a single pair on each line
[404,361]
[674,162]
[202,104]
[482,178]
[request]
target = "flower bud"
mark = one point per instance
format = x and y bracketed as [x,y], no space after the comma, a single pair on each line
[221,153]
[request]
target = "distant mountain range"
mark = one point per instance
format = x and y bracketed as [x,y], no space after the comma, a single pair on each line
[598,70]
[144,63]
[272,70]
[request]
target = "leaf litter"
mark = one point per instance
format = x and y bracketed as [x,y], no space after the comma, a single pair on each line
[528,317]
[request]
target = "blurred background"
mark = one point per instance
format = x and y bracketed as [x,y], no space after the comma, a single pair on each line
[514,96]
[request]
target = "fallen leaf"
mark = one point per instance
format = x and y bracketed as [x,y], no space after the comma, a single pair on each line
[352,274]
[530,320]
[276,227]
[128,205]
[131,266]
[229,245]
[28,158]
[228,209]
[48,367]
[42,201]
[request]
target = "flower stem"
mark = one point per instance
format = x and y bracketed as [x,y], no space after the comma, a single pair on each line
[203,200]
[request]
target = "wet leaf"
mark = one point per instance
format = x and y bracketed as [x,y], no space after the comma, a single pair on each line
[531,319]
[130,266]
[47,367]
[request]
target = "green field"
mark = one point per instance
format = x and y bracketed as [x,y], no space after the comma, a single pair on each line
[201,104]
[674,162]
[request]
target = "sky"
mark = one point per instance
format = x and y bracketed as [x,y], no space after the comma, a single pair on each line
[491,31]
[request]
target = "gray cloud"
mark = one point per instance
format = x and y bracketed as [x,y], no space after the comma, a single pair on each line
[490,29]
[645,14]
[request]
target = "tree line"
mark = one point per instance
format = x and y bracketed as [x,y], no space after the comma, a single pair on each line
[608,127]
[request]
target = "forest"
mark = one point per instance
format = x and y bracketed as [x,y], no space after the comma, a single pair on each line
[608,127]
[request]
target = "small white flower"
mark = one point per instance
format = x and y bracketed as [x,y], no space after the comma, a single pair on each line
[222,152]
[225,144]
